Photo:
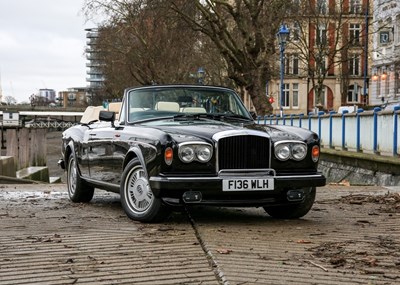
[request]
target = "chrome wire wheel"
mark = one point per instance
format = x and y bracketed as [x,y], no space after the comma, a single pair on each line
[139,195]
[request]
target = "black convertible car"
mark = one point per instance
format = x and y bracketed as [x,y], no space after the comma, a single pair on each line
[187,144]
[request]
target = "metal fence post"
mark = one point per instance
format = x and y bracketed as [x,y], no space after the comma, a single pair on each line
[300,120]
[395,125]
[309,119]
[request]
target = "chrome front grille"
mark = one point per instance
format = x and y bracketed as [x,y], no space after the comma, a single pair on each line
[243,152]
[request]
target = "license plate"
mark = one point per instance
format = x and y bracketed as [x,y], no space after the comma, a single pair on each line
[247,184]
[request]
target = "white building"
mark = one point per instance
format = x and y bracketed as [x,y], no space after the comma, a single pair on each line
[385,80]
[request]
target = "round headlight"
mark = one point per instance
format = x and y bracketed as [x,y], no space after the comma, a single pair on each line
[299,151]
[203,153]
[186,154]
[282,151]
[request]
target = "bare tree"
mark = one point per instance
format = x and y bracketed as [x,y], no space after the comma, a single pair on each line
[10,100]
[165,41]
[140,43]
[244,33]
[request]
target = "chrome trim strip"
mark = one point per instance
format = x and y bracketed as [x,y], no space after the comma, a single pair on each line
[233,133]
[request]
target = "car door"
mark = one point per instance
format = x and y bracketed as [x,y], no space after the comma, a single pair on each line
[100,153]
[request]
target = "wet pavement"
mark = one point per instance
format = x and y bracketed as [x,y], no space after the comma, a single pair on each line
[351,236]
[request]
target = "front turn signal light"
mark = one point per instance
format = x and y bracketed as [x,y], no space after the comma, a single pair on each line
[168,155]
[315,153]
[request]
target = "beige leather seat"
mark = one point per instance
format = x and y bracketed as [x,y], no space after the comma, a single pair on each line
[167,106]
[115,107]
[91,114]
[193,110]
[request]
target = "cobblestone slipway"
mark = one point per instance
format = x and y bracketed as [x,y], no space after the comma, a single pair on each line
[351,236]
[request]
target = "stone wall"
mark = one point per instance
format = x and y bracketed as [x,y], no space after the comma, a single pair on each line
[359,168]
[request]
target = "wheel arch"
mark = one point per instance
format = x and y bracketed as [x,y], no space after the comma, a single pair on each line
[133,153]
[68,151]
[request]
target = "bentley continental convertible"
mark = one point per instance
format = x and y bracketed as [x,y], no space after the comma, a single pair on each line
[172,145]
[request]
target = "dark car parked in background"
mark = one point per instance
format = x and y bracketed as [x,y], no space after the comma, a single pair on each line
[187,144]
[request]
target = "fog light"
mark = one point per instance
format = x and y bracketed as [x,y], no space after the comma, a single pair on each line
[295,195]
[192,197]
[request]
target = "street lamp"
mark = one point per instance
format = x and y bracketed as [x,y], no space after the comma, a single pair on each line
[282,35]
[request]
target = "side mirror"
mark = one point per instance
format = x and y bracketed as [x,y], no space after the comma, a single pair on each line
[107,117]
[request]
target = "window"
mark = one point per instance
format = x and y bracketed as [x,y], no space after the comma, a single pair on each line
[295,64]
[285,99]
[321,35]
[378,86]
[296,31]
[355,7]
[384,37]
[295,95]
[352,93]
[320,62]
[292,64]
[322,7]
[355,31]
[354,65]
[386,81]
[397,83]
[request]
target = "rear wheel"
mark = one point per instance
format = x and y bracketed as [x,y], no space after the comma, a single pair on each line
[78,190]
[137,198]
[294,211]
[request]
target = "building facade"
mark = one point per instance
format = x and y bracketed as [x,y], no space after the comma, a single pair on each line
[327,63]
[95,77]
[73,97]
[385,83]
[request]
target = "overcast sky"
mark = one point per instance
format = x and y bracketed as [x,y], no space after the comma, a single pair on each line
[42,45]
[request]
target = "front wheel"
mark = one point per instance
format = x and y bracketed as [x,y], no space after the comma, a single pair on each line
[137,199]
[78,190]
[293,211]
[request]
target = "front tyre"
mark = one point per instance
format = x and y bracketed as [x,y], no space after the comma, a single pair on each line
[293,211]
[78,190]
[137,198]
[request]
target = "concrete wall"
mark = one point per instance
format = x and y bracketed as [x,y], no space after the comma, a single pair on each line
[27,146]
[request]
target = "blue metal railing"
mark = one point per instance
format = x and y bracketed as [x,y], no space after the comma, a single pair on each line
[374,131]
